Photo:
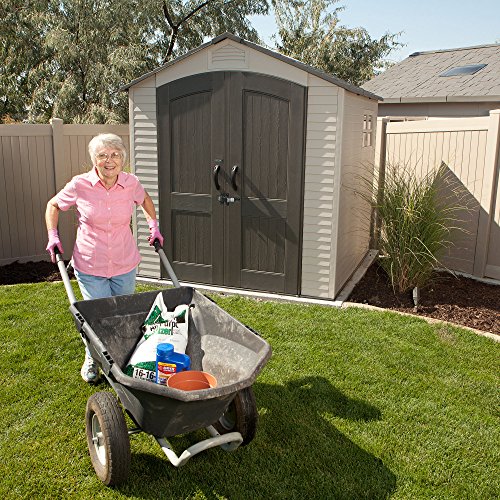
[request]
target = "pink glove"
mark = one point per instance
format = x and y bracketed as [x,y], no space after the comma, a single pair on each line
[53,243]
[154,232]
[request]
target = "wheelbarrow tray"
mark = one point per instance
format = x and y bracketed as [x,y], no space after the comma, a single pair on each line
[217,344]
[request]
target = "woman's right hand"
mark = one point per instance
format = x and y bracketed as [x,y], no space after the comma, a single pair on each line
[54,242]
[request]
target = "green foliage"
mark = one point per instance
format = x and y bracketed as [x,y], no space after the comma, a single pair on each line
[214,18]
[353,404]
[417,217]
[68,58]
[310,31]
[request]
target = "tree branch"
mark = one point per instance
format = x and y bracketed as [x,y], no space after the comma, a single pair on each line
[175,27]
[194,11]
[167,16]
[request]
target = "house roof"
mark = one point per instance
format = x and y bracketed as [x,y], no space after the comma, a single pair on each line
[417,78]
[228,36]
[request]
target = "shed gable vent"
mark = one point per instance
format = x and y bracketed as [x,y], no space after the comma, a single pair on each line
[228,56]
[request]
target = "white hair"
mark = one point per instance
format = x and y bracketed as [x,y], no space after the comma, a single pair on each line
[106,141]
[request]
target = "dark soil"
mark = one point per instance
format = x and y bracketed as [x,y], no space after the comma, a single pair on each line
[450,298]
[457,299]
[30,272]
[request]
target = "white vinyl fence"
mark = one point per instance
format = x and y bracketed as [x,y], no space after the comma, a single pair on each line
[470,149]
[35,162]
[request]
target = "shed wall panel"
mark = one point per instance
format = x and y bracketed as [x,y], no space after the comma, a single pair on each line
[352,237]
[144,162]
[320,164]
[322,177]
[217,59]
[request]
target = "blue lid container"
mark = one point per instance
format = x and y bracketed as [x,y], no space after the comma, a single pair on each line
[169,362]
[163,351]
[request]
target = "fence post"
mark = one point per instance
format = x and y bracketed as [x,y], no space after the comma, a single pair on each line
[378,178]
[58,148]
[488,194]
[66,224]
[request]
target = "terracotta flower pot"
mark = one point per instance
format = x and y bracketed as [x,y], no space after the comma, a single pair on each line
[192,380]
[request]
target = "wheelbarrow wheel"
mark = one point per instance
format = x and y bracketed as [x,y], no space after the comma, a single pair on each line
[107,438]
[241,416]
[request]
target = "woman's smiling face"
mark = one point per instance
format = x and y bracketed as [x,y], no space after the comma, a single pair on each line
[109,163]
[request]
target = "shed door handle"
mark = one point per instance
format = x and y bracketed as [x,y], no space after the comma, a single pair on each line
[234,170]
[216,177]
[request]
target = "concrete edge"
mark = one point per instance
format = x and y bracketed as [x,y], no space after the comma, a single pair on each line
[358,274]
[245,293]
[305,300]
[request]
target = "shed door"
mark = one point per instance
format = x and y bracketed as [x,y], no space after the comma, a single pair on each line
[231,173]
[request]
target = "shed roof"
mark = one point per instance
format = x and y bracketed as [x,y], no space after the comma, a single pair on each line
[417,78]
[309,69]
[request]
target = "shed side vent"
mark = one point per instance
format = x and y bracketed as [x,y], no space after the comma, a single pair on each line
[228,56]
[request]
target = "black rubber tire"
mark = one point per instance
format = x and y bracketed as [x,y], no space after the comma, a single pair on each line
[107,438]
[241,416]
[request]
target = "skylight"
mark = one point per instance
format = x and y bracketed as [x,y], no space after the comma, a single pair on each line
[470,69]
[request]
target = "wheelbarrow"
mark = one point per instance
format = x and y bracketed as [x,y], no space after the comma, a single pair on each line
[218,344]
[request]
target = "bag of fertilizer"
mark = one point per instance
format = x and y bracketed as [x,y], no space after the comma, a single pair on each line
[159,327]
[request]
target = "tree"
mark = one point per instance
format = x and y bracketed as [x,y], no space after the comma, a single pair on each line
[68,58]
[21,54]
[309,30]
[213,17]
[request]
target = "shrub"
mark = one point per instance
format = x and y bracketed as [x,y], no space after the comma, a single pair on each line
[416,217]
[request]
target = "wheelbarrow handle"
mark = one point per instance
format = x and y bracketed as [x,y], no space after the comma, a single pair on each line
[166,264]
[64,276]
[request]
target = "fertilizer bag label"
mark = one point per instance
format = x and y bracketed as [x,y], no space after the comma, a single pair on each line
[159,327]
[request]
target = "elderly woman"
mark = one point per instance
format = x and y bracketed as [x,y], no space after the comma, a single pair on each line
[105,255]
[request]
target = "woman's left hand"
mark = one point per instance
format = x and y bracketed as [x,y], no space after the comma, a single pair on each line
[154,232]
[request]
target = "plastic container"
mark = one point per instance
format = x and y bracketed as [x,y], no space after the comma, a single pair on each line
[192,381]
[169,362]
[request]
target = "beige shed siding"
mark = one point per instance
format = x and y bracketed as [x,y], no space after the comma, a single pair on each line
[352,236]
[320,164]
[437,109]
[231,56]
[144,161]
[322,155]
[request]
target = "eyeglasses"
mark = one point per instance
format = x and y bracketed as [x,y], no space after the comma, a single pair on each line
[105,157]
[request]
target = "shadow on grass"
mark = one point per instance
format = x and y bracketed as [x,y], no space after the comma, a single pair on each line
[298,453]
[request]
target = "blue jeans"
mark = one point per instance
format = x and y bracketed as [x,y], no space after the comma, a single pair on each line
[98,287]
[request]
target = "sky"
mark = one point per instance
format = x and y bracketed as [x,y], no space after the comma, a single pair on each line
[426,24]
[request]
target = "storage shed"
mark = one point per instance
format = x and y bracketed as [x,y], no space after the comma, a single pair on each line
[250,157]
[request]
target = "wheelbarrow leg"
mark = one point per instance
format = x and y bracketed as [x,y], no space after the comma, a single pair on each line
[228,442]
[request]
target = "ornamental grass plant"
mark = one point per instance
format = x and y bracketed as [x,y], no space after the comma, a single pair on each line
[419,216]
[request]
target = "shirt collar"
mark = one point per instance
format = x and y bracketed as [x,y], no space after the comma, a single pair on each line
[93,178]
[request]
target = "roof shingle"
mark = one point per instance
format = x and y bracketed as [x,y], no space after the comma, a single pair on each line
[418,76]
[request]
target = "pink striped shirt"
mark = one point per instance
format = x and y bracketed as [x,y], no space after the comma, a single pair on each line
[104,243]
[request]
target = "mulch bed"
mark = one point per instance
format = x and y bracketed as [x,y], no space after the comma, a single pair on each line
[30,272]
[457,299]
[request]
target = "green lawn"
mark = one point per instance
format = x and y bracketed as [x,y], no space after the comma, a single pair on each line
[353,404]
